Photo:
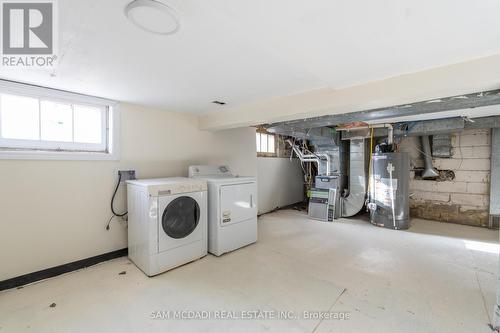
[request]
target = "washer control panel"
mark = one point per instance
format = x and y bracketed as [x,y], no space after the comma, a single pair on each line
[170,186]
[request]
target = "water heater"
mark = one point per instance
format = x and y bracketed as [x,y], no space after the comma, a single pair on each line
[389,190]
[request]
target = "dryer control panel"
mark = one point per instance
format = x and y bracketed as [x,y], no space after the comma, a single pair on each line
[209,170]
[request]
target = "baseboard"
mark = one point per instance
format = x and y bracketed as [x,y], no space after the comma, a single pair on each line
[61,269]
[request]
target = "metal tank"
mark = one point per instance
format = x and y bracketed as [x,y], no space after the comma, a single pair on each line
[389,190]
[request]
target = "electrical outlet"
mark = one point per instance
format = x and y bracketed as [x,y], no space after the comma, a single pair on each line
[126,175]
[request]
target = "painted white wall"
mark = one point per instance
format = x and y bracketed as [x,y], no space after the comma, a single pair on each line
[280,183]
[55,212]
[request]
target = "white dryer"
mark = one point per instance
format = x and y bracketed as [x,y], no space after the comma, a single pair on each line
[167,222]
[232,208]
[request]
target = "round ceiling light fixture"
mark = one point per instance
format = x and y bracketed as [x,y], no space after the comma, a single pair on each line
[153,16]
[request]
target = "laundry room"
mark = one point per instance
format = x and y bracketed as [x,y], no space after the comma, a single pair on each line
[235,166]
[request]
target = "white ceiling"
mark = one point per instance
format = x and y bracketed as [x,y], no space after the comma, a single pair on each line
[241,51]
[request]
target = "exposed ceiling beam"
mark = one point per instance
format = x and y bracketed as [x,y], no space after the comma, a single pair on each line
[432,106]
[481,75]
[432,127]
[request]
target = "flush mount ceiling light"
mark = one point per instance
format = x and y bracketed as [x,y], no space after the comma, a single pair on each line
[153,16]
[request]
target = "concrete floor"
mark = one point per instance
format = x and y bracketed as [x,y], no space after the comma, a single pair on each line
[435,277]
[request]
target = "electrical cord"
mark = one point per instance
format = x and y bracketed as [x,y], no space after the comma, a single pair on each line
[109,222]
[113,198]
[115,214]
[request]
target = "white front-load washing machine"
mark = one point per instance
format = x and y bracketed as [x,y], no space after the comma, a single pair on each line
[232,208]
[167,222]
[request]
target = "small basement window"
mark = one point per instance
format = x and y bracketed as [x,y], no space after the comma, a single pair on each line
[266,144]
[43,123]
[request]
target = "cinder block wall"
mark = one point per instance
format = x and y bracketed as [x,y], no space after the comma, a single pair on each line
[463,200]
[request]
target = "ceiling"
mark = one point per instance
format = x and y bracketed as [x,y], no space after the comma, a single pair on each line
[241,51]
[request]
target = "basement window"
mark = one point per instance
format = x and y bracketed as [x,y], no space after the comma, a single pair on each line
[266,144]
[42,123]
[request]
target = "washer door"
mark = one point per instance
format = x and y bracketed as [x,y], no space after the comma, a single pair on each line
[181,220]
[180,217]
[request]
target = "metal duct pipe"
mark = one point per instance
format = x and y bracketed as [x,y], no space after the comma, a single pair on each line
[390,134]
[326,158]
[354,202]
[435,126]
[429,171]
[390,130]
[473,100]
[311,158]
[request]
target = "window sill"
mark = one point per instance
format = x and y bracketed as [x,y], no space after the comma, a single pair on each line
[267,155]
[56,155]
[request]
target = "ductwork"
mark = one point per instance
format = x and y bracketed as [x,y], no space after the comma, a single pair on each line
[353,203]
[390,130]
[474,100]
[322,160]
[429,172]
[432,127]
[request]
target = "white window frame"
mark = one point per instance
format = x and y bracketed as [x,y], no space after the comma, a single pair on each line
[108,149]
[266,153]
